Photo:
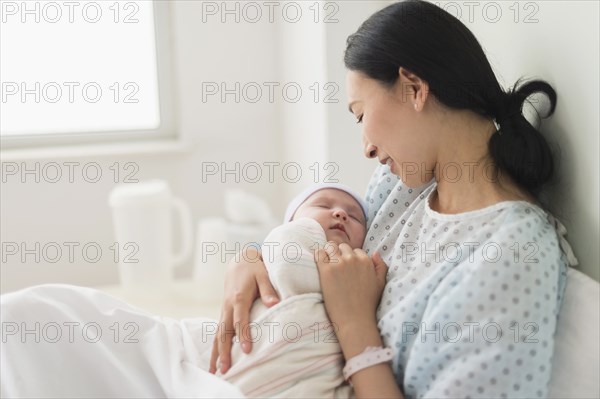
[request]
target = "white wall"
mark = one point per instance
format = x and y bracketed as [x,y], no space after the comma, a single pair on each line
[344,134]
[561,48]
[559,44]
[321,129]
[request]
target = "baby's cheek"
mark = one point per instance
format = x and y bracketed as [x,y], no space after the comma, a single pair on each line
[362,241]
[362,234]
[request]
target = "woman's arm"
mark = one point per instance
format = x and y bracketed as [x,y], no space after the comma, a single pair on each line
[376,381]
[246,279]
[352,284]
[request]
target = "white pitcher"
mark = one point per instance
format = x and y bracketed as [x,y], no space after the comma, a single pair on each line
[143,223]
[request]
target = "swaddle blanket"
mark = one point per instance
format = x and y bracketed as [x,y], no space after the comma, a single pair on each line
[63,341]
[295,352]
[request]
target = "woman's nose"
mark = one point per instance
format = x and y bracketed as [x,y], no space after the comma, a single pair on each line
[370,149]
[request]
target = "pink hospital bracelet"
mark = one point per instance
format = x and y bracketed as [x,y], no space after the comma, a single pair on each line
[371,356]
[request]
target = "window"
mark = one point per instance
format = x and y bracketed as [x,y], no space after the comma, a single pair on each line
[83,71]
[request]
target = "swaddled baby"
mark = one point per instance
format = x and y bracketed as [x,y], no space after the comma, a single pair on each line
[295,351]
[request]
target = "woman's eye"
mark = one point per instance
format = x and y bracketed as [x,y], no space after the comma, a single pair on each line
[359,120]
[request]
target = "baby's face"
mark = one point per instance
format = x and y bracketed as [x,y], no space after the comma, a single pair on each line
[338,213]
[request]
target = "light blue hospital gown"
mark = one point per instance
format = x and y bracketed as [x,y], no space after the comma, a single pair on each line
[471,301]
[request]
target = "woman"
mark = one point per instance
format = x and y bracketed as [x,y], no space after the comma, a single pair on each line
[476,269]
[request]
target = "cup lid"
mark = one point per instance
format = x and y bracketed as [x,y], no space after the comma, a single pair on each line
[141,193]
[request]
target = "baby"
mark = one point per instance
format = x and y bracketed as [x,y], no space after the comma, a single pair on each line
[295,351]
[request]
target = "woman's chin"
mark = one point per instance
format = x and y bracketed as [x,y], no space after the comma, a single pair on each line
[394,169]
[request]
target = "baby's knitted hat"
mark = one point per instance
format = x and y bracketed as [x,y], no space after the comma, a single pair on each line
[300,198]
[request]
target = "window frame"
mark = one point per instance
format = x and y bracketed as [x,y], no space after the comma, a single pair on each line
[165,131]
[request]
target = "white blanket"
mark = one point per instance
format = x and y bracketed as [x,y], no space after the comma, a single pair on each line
[67,341]
[63,341]
[295,350]
[295,355]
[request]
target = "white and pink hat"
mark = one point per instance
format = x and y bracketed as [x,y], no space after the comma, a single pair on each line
[300,198]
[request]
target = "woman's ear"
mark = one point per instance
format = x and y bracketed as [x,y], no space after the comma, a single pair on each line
[414,90]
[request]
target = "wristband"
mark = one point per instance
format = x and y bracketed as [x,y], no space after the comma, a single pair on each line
[371,356]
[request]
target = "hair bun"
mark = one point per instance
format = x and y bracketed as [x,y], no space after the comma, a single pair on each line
[511,111]
[519,148]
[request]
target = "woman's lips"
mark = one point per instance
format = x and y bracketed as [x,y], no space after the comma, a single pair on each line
[390,163]
[387,161]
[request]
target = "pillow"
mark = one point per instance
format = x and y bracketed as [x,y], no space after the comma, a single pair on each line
[575,367]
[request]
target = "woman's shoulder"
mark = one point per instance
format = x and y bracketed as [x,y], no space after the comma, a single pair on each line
[524,214]
[510,233]
[521,224]
[522,235]
[508,216]
[541,227]
[528,221]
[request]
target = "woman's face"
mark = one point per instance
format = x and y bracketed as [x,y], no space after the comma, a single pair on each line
[393,130]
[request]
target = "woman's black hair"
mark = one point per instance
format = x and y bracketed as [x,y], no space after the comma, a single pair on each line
[437,47]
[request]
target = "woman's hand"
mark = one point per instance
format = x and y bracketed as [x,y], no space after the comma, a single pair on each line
[352,285]
[245,280]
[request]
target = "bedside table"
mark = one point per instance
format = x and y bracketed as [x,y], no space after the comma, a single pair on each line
[178,299]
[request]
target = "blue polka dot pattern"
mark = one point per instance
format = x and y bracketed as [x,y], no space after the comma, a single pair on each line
[471,300]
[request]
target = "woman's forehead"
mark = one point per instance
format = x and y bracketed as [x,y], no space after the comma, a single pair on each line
[360,87]
[354,82]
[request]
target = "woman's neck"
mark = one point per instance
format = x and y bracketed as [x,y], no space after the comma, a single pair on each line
[460,197]
[467,178]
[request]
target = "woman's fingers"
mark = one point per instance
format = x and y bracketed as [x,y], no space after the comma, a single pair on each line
[321,256]
[225,341]
[267,292]
[243,300]
[214,356]
[224,338]
[333,251]
[378,261]
[380,268]
[345,249]
[350,271]
[244,280]
[241,315]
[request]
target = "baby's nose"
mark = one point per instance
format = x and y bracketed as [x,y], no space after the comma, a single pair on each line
[340,213]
